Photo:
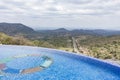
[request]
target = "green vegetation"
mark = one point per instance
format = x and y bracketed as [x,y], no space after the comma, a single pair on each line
[59,41]
[100,47]
[63,43]
[18,40]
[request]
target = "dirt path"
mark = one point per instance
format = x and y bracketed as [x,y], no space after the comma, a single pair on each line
[75,48]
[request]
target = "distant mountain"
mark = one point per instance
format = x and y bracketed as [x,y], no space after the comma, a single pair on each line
[15,28]
[98,32]
[77,32]
[56,32]
[106,32]
[18,28]
[60,30]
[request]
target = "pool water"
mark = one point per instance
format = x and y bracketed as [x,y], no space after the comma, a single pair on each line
[65,66]
[26,62]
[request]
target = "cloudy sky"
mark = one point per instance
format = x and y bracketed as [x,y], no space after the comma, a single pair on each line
[70,14]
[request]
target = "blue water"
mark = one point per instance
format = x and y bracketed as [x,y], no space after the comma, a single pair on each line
[14,66]
[25,62]
[65,66]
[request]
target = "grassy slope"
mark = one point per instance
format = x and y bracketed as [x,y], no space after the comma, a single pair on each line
[18,40]
[63,43]
[100,47]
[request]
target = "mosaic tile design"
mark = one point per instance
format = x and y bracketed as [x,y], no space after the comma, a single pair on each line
[44,62]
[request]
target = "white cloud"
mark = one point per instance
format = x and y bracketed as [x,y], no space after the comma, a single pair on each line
[63,6]
[59,9]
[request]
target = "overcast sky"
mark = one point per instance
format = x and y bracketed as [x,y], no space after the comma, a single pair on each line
[70,14]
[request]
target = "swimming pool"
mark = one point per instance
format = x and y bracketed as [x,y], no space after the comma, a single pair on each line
[64,65]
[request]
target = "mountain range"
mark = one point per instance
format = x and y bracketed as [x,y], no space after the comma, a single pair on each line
[18,28]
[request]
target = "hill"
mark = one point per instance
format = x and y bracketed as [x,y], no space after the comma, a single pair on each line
[15,28]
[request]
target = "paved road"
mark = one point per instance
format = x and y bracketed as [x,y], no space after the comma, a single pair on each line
[75,45]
